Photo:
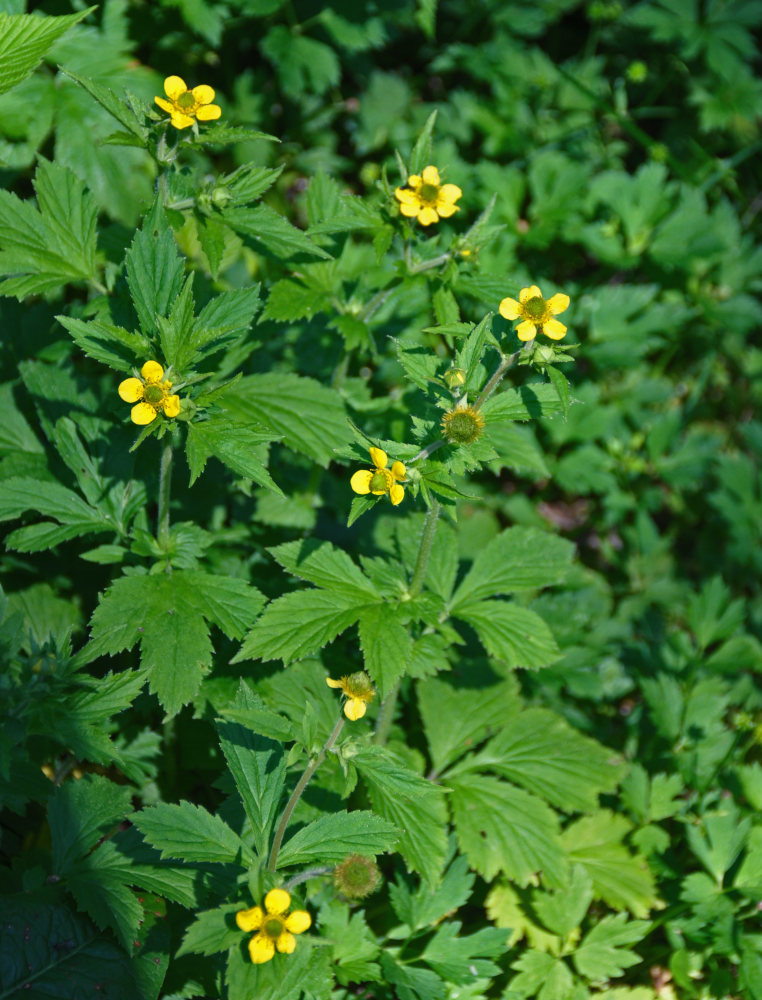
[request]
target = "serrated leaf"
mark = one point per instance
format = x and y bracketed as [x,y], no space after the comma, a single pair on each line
[333,837]
[515,635]
[600,954]
[24,40]
[564,909]
[79,812]
[326,566]
[463,959]
[421,154]
[386,644]
[265,226]
[116,108]
[528,402]
[102,889]
[111,345]
[414,805]
[233,444]
[502,828]
[542,975]
[518,559]
[561,385]
[212,931]
[190,833]
[155,270]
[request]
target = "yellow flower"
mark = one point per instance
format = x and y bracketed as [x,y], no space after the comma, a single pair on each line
[186,105]
[380,480]
[426,198]
[276,926]
[358,691]
[536,313]
[150,394]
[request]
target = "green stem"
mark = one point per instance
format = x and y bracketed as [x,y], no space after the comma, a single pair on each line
[301,784]
[389,704]
[496,379]
[305,876]
[427,265]
[165,484]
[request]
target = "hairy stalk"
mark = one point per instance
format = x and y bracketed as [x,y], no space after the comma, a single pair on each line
[496,378]
[165,484]
[301,784]
[386,712]
[304,876]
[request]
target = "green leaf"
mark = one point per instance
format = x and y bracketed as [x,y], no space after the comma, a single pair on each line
[542,752]
[111,345]
[515,635]
[48,951]
[411,982]
[155,270]
[212,931]
[101,886]
[717,841]
[19,494]
[258,767]
[386,645]
[298,624]
[169,616]
[265,226]
[462,960]
[414,805]
[353,945]
[528,402]
[333,837]
[564,909]
[518,559]
[79,812]
[24,40]
[309,416]
[541,975]
[459,711]
[621,879]
[53,244]
[421,155]
[600,955]
[190,833]
[326,566]
[502,828]
[116,108]
[290,300]
[233,444]
[561,385]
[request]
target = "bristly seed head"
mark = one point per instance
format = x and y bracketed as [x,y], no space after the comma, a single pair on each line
[357,876]
[462,425]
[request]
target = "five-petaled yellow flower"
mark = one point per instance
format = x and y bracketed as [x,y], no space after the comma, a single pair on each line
[187,105]
[380,480]
[150,395]
[358,691]
[275,926]
[426,198]
[536,313]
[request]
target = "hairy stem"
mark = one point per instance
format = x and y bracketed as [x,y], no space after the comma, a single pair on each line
[496,379]
[304,876]
[165,484]
[301,784]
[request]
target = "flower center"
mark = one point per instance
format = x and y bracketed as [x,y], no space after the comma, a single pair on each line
[359,686]
[153,394]
[378,483]
[428,193]
[535,307]
[186,101]
[273,927]
[463,426]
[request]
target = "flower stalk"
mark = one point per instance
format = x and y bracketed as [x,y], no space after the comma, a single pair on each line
[165,486]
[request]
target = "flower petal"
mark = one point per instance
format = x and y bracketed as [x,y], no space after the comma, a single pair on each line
[164,105]
[449,192]
[131,390]
[431,176]
[298,921]
[208,112]
[360,481]
[427,215]
[526,330]
[277,901]
[250,920]
[533,292]
[397,494]
[398,470]
[510,309]
[203,94]
[446,209]
[414,180]
[554,329]
[261,949]
[174,87]
[142,414]
[332,683]
[410,209]
[558,303]
[179,120]
[378,458]
[171,406]
[286,943]
[355,709]
[407,196]
[152,371]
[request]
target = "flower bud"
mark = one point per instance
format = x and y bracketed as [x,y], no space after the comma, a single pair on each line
[454,377]
[357,876]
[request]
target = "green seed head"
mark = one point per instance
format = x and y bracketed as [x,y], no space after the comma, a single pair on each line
[535,307]
[153,394]
[357,876]
[378,482]
[462,426]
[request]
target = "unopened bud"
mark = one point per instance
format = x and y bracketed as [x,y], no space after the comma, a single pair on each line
[454,377]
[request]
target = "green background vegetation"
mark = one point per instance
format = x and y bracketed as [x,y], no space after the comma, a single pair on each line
[586,829]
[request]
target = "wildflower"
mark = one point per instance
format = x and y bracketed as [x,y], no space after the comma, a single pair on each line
[536,313]
[380,480]
[358,692]
[463,425]
[356,876]
[276,927]
[187,105]
[426,198]
[150,394]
